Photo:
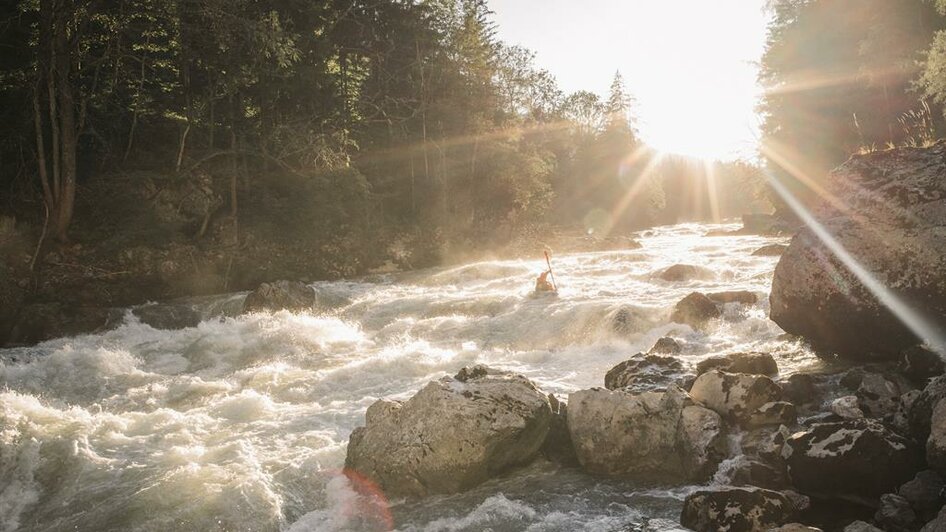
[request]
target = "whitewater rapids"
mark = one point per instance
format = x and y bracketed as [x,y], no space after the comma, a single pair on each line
[241,423]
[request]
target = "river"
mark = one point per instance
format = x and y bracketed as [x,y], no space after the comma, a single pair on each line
[241,423]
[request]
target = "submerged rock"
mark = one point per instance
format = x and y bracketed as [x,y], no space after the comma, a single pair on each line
[666,346]
[685,272]
[854,460]
[695,310]
[644,373]
[898,198]
[736,510]
[735,396]
[742,297]
[452,435]
[280,295]
[649,436]
[751,363]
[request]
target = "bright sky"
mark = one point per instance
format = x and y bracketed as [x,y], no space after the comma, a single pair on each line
[691,64]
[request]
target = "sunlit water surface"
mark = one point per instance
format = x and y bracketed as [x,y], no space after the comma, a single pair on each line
[241,423]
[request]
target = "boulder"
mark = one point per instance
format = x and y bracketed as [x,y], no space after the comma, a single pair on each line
[685,272]
[452,435]
[878,396]
[37,322]
[752,363]
[921,411]
[857,460]
[695,310]
[666,346]
[280,295]
[801,389]
[925,493]
[846,407]
[861,526]
[895,209]
[771,250]
[936,443]
[736,509]
[657,436]
[644,373]
[168,316]
[742,297]
[895,514]
[775,413]
[734,396]
[920,364]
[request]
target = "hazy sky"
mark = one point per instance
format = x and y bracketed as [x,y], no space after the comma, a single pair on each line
[691,64]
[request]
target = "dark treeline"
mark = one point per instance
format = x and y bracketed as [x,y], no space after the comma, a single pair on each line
[341,126]
[849,76]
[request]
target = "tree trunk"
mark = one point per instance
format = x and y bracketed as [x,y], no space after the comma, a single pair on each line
[68,122]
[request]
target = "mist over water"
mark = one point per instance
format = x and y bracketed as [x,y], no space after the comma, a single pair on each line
[241,423]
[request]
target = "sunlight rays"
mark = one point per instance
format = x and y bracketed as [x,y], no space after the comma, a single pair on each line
[635,188]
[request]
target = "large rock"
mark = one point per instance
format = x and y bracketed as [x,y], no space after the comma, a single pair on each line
[856,460]
[895,514]
[644,373]
[736,510]
[452,435]
[651,436]
[752,363]
[892,225]
[925,493]
[921,411]
[685,272]
[735,396]
[695,310]
[280,295]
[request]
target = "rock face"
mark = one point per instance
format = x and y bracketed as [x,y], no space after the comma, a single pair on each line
[736,510]
[647,436]
[855,460]
[695,310]
[735,396]
[752,363]
[452,435]
[644,373]
[902,196]
[280,295]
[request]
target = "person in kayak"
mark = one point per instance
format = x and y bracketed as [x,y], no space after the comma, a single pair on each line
[542,284]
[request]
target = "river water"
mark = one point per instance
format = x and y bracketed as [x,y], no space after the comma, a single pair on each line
[241,423]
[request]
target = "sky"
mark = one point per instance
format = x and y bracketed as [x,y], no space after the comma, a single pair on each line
[690,64]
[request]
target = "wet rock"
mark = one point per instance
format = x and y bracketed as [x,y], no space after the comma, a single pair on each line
[936,443]
[921,411]
[695,310]
[736,509]
[920,364]
[861,526]
[452,435]
[734,396]
[741,296]
[558,446]
[938,524]
[758,474]
[801,389]
[847,407]
[895,514]
[167,316]
[771,250]
[925,493]
[903,195]
[280,295]
[651,435]
[666,346]
[751,363]
[626,320]
[856,460]
[774,413]
[644,373]
[685,272]
[878,396]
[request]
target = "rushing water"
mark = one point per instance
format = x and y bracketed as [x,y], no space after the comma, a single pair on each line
[241,422]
